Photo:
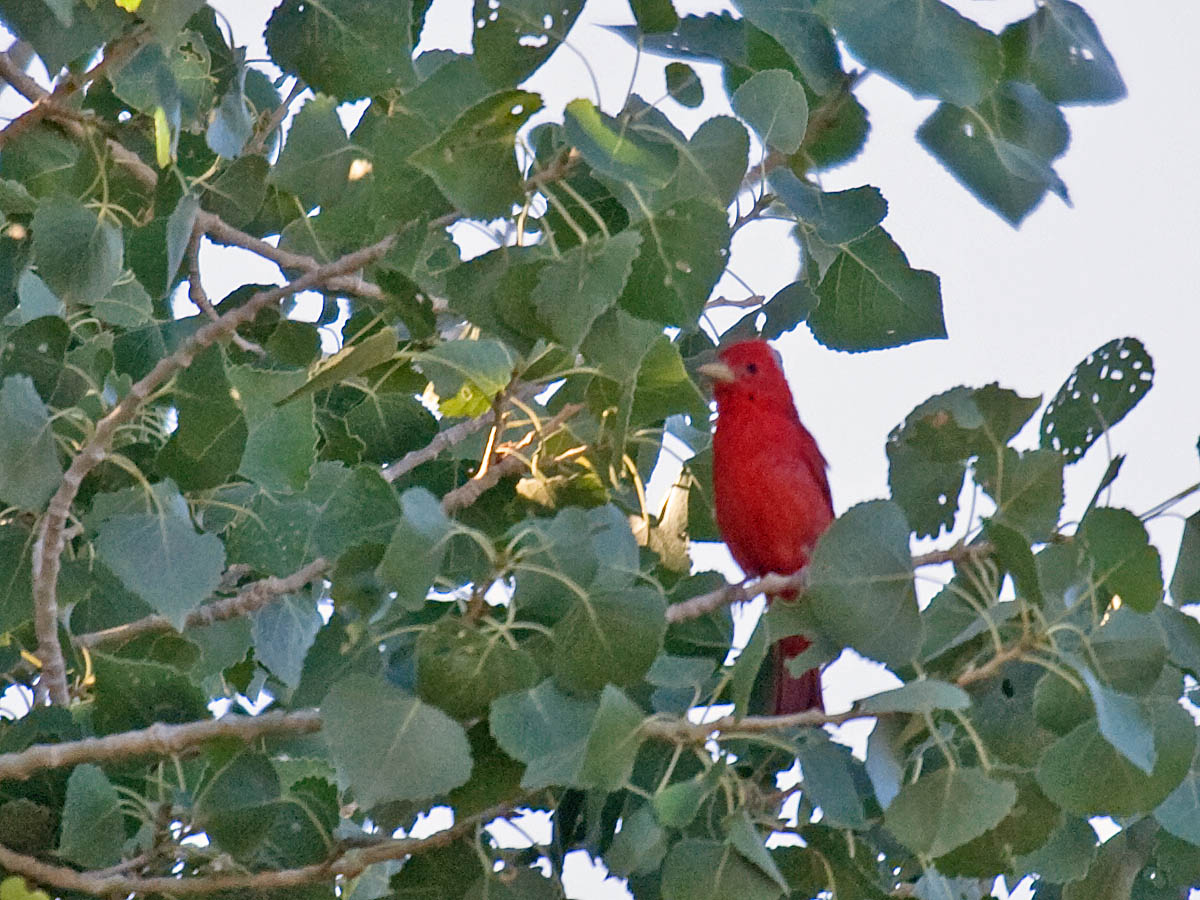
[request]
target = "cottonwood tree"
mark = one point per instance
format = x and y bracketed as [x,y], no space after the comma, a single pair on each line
[429,553]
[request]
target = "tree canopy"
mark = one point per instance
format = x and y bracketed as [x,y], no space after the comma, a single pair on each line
[277,589]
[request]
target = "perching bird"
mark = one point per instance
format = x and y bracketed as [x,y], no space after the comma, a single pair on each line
[771,494]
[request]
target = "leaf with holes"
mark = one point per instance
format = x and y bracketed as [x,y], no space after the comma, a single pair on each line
[1099,394]
[514,37]
[1059,49]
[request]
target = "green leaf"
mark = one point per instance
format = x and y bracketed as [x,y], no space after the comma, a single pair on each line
[563,740]
[1185,582]
[281,441]
[639,847]
[461,669]
[93,826]
[1002,149]
[925,46]
[388,745]
[683,84]
[232,125]
[654,16]
[77,255]
[132,694]
[1180,812]
[1026,828]
[236,804]
[34,300]
[512,39]
[1067,771]
[1123,720]
[698,869]
[282,631]
[352,359]
[207,446]
[871,298]
[609,638]
[1124,562]
[1026,487]
[347,48]
[684,251]
[315,162]
[678,804]
[574,291]
[16,591]
[179,234]
[829,779]
[947,808]
[487,366]
[860,586]
[1099,393]
[163,560]
[921,696]
[414,555]
[803,35]
[29,468]
[1059,49]
[474,162]
[614,150]
[774,105]
[1066,856]
[838,217]
[126,305]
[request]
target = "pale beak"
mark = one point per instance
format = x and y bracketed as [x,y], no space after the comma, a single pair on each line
[717,371]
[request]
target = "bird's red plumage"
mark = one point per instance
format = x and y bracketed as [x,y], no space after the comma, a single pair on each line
[771,494]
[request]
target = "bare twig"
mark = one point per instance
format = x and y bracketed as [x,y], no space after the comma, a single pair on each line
[51,104]
[993,666]
[765,199]
[348,865]
[695,607]
[13,71]
[157,740]
[250,599]
[681,731]
[510,463]
[198,296]
[280,112]
[48,547]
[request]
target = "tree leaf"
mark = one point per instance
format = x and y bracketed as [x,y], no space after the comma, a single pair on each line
[93,826]
[315,161]
[474,161]
[684,85]
[236,806]
[1185,582]
[388,745]
[1059,49]
[838,217]
[461,669]
[573,292]
[1124,561]
[1099,393]
[829,779]
[924,695]
[281,440]
[1066,772]
[610,637]
[77,255]
[347,48]
[871,298]
[163,560]
[1066,856]
[179,234]
[1180,812]
[947,808]
[414,554]
[487,366]
[774,105]
[698,869]
[614,150]
[806,38]
[134,693]
[860,586]
[512,39]
[352,359]
[1026,487]
[29,468]
[282,631]
[926,46]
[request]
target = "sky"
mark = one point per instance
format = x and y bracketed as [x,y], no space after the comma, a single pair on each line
[1022,306]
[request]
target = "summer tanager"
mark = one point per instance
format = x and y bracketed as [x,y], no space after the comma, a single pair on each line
[771,494]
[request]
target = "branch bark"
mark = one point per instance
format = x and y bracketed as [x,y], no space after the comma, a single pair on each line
[250,599]
[48,547]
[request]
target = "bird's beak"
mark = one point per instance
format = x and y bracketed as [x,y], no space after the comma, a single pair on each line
[717,371]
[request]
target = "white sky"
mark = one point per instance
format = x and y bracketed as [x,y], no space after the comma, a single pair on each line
[1021,306]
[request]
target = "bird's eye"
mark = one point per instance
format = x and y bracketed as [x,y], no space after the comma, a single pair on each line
[752,368]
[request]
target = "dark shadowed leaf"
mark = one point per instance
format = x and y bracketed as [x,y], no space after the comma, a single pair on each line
[93,826]
[1059,49]
[29,468]
[1123,560]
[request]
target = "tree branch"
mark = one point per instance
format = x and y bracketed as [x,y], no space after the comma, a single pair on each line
[259,142]
[13,71]
[157,740]
[510,464]
[199,297]
[250,599]
[48,547]
[347,864]
[695,607]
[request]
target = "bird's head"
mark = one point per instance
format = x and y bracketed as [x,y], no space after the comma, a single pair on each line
[750,373]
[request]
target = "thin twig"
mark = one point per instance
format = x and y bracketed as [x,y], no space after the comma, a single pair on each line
[680,730]
[259,141]
[250,599]
[13,71]
[993,666]
[48,547]
[198,296]
[510,464]
[157,740]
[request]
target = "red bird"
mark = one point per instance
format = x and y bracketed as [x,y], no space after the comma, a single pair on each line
[771,494]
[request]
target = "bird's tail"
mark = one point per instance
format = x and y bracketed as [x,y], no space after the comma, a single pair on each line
[793,694]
